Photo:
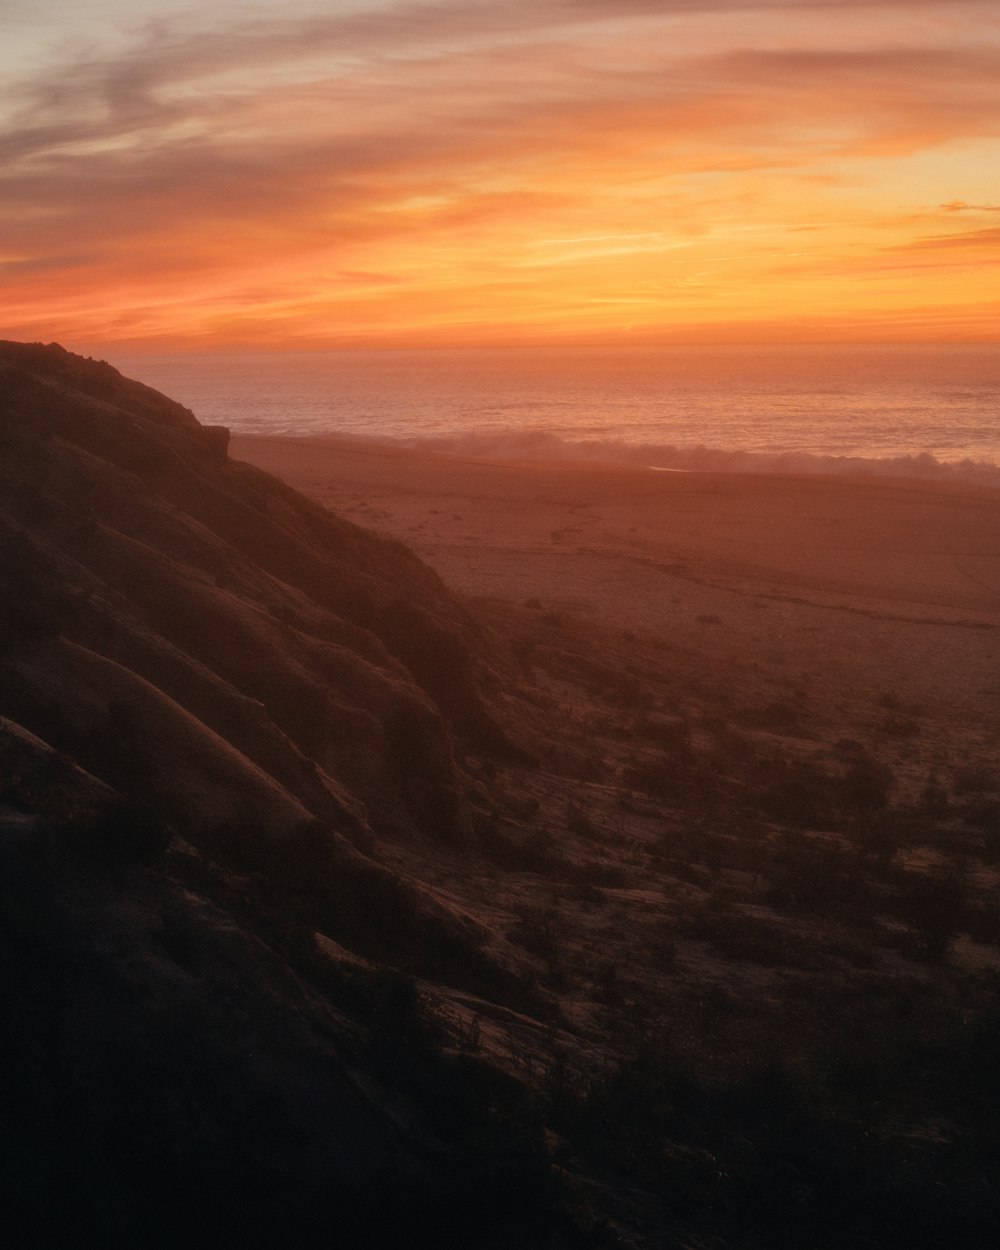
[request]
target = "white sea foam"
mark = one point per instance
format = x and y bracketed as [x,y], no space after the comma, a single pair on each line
[538,445]
[928,411]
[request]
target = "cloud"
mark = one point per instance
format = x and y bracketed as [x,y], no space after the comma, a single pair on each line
[226,158]
[960,206]
[972,240]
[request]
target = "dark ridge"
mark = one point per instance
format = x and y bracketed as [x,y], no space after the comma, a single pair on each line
[218,705]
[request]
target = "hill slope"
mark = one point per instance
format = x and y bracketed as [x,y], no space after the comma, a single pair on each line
[217,700]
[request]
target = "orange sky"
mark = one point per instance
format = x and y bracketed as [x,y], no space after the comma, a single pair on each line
[309,175]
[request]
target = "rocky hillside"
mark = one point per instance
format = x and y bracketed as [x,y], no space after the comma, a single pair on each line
[285,656]
[218,702]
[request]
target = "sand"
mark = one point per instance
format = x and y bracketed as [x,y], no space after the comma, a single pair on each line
[875,584]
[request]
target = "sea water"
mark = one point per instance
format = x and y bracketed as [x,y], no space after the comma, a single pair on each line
[931,410]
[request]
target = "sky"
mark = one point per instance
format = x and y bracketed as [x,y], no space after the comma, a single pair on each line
[299,175]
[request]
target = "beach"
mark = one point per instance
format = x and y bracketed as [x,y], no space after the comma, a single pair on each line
[862,585]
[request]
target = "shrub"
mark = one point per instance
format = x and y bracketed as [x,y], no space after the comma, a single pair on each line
[936,905]
[774,717]
[976,778]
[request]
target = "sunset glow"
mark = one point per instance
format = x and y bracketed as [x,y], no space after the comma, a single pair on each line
[366,173]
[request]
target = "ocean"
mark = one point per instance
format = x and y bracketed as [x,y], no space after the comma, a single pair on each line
[928,410]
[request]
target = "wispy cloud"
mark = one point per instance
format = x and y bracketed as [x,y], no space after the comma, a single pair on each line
[960,206]
[408,154]
[972,240]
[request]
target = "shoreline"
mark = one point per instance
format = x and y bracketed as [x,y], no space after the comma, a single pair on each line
[911,467]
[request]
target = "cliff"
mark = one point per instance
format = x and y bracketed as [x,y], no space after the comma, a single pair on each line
[218,702]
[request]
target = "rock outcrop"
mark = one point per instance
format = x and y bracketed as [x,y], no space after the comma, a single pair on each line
[251,633]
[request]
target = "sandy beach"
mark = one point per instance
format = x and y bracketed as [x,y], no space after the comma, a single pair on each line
[867,584]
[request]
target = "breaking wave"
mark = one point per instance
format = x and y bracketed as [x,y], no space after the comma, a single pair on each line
[540,445]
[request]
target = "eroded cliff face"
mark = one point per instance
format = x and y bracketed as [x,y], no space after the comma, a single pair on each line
[253,651]
[285,691]
[218,703]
